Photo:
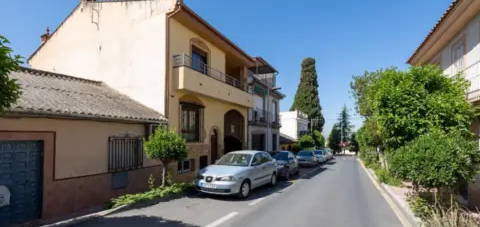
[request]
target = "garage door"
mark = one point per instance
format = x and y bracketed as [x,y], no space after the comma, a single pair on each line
[21,175]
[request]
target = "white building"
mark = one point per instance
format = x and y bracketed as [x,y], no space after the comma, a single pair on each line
[263,118]
[294,124]
[454,45]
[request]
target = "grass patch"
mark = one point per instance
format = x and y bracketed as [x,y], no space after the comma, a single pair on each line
[386,177]
[153,193]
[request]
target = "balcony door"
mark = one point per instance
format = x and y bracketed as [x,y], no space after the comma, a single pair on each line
[199,60]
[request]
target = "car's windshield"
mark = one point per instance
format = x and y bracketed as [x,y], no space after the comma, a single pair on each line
[318,152]
[235,160]
[305,153]
[281,156]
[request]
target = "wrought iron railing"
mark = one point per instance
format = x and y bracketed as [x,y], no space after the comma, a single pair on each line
[125,153]
[258,116]
[187,61]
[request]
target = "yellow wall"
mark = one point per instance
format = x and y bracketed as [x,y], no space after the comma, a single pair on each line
[81,146]
[215,105]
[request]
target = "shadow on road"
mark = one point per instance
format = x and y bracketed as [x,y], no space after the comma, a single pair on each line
[144,221]
[257,193]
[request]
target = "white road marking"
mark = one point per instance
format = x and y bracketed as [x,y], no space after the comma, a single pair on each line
[255,202]
[222,220]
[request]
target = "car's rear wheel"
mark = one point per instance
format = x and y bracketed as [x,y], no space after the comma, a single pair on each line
[273,180]
[244,190]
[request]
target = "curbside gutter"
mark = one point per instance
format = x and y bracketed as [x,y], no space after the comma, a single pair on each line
[84,218]
[404,214]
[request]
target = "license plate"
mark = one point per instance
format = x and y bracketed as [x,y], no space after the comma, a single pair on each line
[207,185]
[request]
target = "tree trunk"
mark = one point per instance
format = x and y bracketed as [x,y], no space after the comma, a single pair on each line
[164,173]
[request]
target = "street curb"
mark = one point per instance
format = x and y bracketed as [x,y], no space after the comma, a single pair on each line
[403,213]
[85,218]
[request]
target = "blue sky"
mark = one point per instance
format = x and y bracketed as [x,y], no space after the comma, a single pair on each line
[345,37]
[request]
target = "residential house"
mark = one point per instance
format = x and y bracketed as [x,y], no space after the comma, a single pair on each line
[294,125]
[263,118]
[165,56]
[454,45]
[70,144]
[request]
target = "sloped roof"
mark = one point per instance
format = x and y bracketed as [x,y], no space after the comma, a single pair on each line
[56,95]
[450,9]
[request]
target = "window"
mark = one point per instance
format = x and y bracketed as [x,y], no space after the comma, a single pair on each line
[186,166]
[191,122]
[125,153]
[203,162]
[458,52]
[199,60]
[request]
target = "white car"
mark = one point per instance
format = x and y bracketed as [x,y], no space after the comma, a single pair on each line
[237,173]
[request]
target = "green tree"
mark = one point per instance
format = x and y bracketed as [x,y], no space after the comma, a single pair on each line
[345,125]
[306,142]
[437,159]
[334,139]
[166,146]
[318,138]
[9,89]
[406,104]
[354,143]
[306,98]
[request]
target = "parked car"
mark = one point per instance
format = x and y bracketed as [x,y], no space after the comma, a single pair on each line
[329,154]
[321,157]
[287,164]
[307,158]
[237,173]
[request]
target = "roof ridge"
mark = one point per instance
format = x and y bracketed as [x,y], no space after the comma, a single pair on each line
[38,72]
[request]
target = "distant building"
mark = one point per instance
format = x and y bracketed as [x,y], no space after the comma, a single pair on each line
[263,118]
[294,124]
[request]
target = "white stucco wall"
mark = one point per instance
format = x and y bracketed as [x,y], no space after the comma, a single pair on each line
[469,39]
[113,42]
[293,123]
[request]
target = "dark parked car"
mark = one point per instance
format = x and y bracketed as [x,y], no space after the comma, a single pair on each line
[287,164]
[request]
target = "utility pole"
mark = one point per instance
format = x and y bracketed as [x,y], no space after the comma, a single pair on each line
[341,136]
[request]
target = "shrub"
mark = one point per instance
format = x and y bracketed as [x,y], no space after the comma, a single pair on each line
[386,177]
[154,193]
[166,146]
[318,139]
[369,156]
[306,142]
[420,206]
[436,160]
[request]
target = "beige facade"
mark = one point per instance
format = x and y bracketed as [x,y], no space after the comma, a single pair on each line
[81,146]
[134,47]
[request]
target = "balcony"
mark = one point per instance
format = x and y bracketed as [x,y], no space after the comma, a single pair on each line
[257,117]
[473,93]
[202,79]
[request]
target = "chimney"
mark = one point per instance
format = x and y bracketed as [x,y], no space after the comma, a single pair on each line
[45,36]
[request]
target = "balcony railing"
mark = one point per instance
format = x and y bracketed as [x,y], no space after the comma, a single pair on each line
[258,116]
[187,61]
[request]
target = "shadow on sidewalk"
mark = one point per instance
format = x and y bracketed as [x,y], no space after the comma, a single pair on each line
[143,221]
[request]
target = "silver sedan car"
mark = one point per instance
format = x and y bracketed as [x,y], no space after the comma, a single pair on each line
[237,173]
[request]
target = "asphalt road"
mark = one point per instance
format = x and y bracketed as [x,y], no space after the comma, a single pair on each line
[338,193]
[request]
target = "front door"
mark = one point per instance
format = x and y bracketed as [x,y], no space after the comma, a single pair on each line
[21,174]
[214,147]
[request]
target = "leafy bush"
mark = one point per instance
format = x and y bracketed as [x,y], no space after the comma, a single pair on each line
[9,89]
[369,156]
[306,142]
[436,160]
[403,105]
[166,146]
[420,206]
[386,177]
[154,193]
[318,139]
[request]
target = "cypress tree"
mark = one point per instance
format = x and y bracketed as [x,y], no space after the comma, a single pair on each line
[306,98]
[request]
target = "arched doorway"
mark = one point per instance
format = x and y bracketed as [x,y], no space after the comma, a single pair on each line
[234,131]
[214,146]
